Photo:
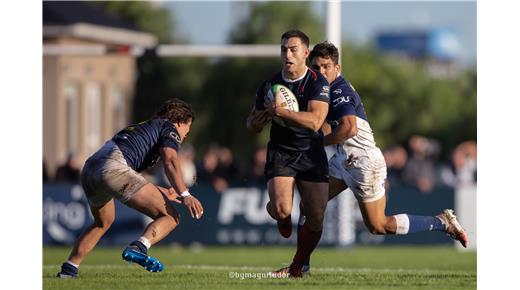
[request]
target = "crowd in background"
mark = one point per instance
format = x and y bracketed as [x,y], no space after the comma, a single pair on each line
[420,165]
[416,164]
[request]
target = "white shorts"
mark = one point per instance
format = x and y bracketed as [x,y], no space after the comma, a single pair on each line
[106,175]
[363,172]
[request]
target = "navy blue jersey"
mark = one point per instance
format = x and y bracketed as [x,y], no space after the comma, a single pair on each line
[344,101]
[313,86]
[140,143]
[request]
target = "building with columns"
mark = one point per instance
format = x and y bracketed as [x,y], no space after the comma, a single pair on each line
[89,75]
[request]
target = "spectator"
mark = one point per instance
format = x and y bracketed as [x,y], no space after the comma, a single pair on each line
[395,158]
[463,169]
[207,170]
[227,168]
[68,172]
[420,168]
[186,159]
[255,175]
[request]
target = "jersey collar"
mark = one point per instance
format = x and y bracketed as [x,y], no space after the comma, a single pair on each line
[298,79]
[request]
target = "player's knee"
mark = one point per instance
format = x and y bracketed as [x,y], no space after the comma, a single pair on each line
[315,225]
[314,220]
[376,228]
[175,218]
[105,223]
[172,218]
[282,211]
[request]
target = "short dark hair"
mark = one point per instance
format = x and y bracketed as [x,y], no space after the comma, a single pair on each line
[325,50]
[176,111]
[296,33]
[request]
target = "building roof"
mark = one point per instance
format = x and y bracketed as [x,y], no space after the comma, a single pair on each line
[72,12]
[82,20]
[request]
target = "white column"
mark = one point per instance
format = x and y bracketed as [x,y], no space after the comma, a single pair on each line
[334,24]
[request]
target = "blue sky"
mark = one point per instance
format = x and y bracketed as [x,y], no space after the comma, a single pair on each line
[209,22]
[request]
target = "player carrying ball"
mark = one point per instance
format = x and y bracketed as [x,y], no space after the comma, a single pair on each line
[295,154]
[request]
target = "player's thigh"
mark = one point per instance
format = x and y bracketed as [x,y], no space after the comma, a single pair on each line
[336,186]
[281,191]
[150,201]
[314,196]
[373,212]
[104,215]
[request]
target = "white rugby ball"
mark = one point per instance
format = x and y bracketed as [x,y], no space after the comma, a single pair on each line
[289,101]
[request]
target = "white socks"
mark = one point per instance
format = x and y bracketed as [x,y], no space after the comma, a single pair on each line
[75,265]
[403,224]
[145,242]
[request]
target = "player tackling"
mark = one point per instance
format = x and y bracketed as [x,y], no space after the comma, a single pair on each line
[113,172]
[359,164]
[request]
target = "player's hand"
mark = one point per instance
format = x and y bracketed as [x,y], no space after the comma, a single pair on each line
[273,107]
[260,118]
[173,195]
[170,193]
[326,128]
[194,206]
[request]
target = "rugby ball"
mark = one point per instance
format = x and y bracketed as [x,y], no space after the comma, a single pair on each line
[289,101]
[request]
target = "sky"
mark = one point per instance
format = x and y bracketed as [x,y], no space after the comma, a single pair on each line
[210,22]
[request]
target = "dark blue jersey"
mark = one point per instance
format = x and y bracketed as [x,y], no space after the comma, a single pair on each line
[344,101]
[140,143]
[313,86]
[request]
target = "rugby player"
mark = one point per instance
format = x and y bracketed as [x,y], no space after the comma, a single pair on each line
[113,172]
[358,163]
[295,152]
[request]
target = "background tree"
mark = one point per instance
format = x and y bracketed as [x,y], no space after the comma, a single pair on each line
[401,98]
[159,78]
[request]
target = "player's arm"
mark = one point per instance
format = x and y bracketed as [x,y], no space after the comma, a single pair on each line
[173,171]
[347,129]
[312,119]
[257,119]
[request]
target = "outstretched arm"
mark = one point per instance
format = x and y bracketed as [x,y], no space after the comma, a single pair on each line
[173,171]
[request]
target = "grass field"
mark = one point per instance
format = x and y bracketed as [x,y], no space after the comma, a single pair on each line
[227,268]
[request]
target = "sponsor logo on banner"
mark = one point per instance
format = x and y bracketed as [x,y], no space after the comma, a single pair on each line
[62,219]
[249,204]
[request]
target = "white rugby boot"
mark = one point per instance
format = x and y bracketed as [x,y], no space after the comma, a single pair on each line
[453,228]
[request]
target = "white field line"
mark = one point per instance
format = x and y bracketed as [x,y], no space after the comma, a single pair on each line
[268,269]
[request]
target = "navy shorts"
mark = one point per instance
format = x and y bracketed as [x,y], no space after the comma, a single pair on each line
[308,165]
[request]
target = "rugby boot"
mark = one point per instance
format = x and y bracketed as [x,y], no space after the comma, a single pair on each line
[149,263]
[453,228]
[67,271]
[285,272]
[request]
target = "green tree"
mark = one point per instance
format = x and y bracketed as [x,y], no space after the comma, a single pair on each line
[150,18]
[401,98]
[268,21]
[159,78]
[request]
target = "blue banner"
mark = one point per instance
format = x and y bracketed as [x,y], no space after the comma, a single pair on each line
[236,217]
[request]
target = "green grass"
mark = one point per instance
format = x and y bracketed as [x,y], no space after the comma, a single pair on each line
[210,268]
